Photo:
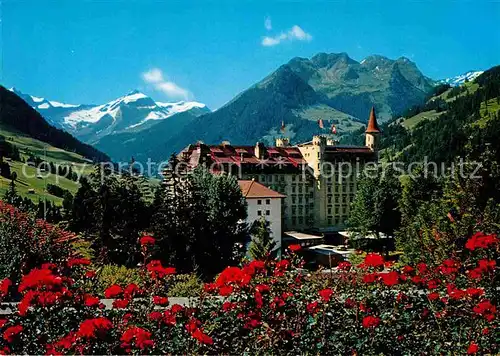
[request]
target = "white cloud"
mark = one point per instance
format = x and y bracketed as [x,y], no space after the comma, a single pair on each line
[155,77]
[268,24]
[296,33]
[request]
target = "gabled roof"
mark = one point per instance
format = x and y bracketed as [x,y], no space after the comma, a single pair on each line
[253,189]
[372,123]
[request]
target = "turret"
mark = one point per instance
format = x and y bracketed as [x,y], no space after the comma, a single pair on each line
[283,142]
[372,133]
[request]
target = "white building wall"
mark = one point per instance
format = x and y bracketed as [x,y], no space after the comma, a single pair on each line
[271,205]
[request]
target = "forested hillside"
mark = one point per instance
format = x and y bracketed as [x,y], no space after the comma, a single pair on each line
[465,124]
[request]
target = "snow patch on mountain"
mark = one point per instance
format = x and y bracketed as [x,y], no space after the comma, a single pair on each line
[462,78]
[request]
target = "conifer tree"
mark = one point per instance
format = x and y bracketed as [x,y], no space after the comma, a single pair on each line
[262,244]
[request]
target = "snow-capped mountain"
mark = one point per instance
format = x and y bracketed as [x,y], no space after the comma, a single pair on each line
[461,79]
[130,113]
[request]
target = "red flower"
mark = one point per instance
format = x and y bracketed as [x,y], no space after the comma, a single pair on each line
[390,278]
[373,260]
[131,290]
[4,287]
[113,291]
[295,248]
[10,333]
[370,321]
[472,349]
[176,308]
[3,322]
[474,292]
[91,301]
[78,262]
[158,271]
[225,290]
[38,278]
[433,296]
[147,240]
[160,300]
[480,240]
[486,309]
[370,277]
[136,336]
[228,306]
[408,269]
[312,307]
[344,266]
[90,274]
[97,327]
[326,294]
[120,303]
[233,275]
[201,337]
[261,288]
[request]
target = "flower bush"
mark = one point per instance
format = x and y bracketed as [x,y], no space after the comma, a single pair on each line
[265,307]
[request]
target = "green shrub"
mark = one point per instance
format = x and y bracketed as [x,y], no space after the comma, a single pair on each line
[113,274]
[186,285]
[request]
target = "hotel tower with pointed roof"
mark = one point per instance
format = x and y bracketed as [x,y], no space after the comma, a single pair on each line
[311,175]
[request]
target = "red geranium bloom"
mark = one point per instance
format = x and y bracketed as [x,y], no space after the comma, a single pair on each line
[472,349]
[369,277]
[131,290]
[225,290]
[160,300]
[390,278]
[78,262]
[120,303]
[486,309]
[91,301]
[97,327]
[201,337]
[113,291]
[136,336]
[370,321]
[228,306]
[261,288]
[10,333]
[344,266]
[295,248]
[4,287]
[326,294]
[3,322]
[474,292]
[37,278]
[176,308]
[373,260]
[433,296]
[147,240]
[312,307]
[408,269]
[481,240]
[90,274]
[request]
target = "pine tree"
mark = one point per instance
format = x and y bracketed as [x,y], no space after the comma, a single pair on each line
[262,244]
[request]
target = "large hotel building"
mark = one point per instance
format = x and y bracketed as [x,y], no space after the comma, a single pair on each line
[318,179]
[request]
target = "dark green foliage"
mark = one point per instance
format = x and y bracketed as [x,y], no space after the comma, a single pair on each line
[110,211]
[375,207]
[262,244]
[197,220]
[57,190]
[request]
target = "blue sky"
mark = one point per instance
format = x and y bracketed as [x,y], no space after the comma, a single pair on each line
[94,51]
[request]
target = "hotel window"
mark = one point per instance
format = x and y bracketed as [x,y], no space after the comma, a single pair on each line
[262,178]
[268,212]
[259,202]
[294,220]
[300,199]
[300,189]
[329,221]
[301,220]
[336,210]
[293,189]
[311,195]
[268,201]
[294,210]
[259,213]
[329,189]
[294,200]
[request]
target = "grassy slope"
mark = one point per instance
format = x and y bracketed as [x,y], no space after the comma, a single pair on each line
[27,176]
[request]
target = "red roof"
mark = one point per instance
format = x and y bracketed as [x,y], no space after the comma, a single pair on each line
[372,123]
[253,189]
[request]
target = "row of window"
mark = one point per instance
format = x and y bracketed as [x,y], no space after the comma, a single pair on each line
[259,201]
[267,212]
